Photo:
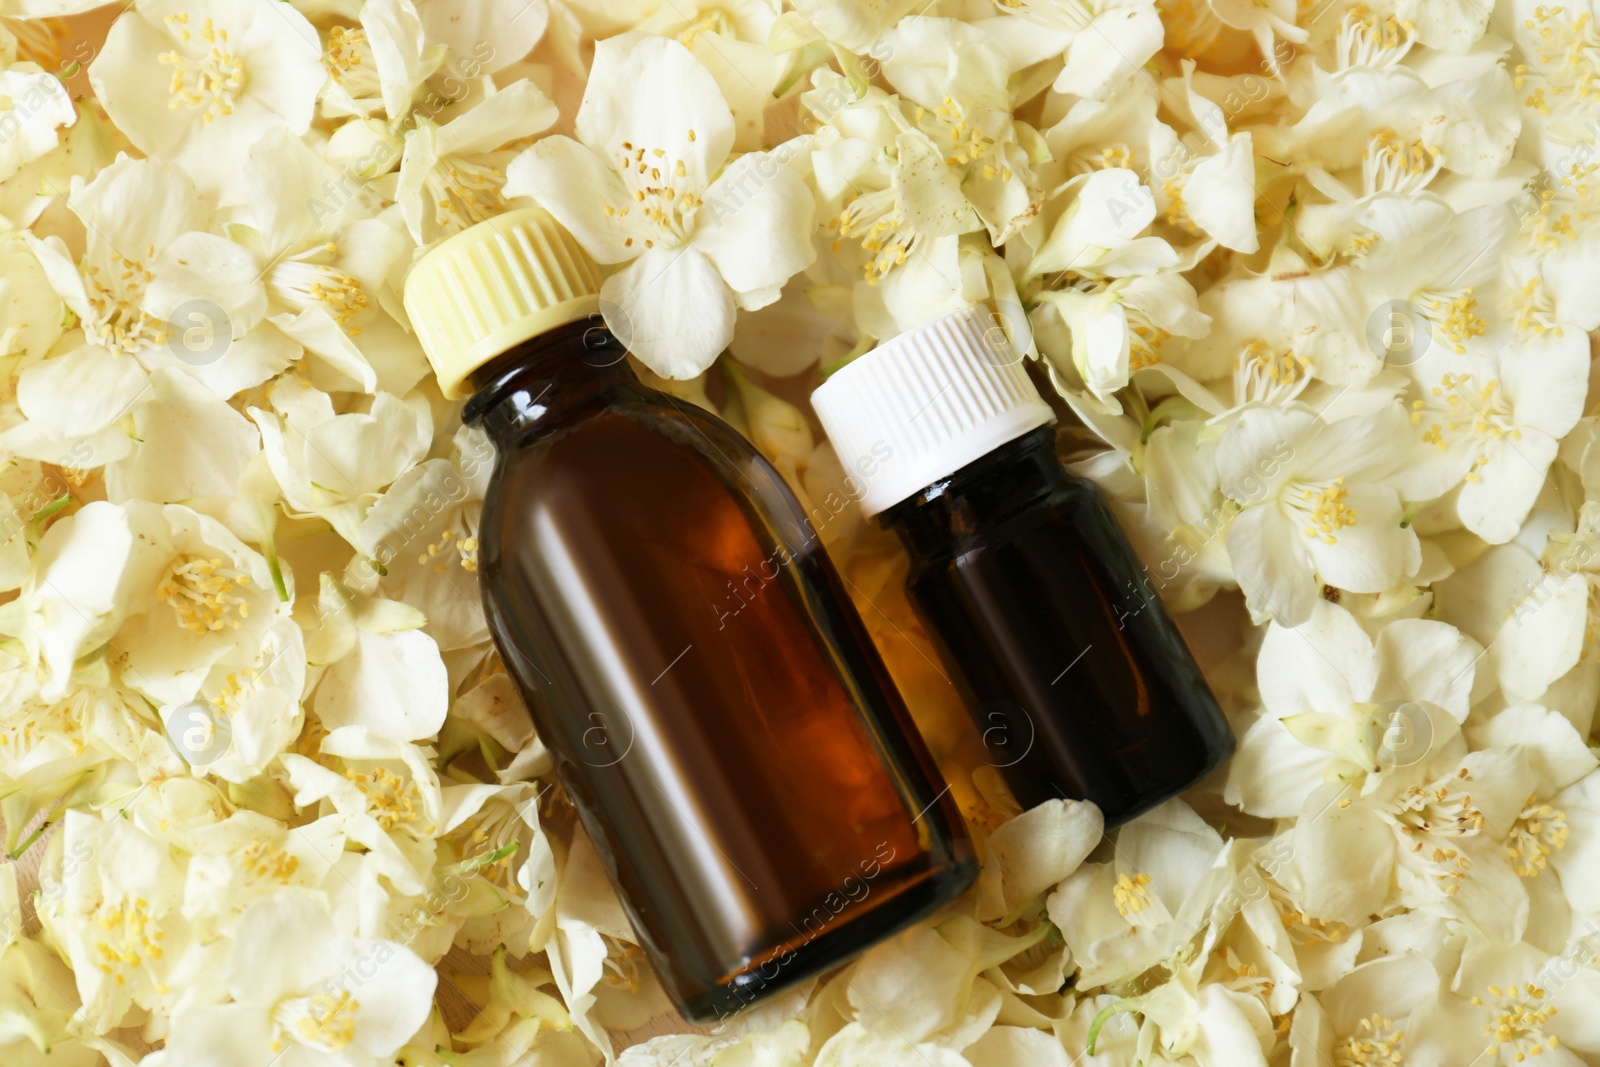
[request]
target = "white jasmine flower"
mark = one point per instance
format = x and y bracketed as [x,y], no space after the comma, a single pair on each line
[1123,916]
[186,444]
[1037,849]
[116,914]
[169,592]
[1460,116]
[306,993]
[130,212]
[1491,416]
[63,421]
[1506,1002]
[490,34]
[731,40]
[954,88]
[1275,334]
[1341,705]
[248,857]
[36,987]
[382,64]
[389,679]
[335,464]
[48,748]
[1209,186]
[258,705]
[32,316]
[1368,1016]
[197,81]
[386,795]
[423,534]
[454,175]
[493,842]
[854,24]
[649,183]
[286,277]
[1434,833]
[1098,235]
[1318,506]
[36,106]
[1103,43]
[1118,327]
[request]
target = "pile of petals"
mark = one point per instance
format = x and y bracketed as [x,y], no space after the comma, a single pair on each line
[1313,282]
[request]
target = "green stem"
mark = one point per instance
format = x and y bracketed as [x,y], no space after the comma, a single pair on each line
[1117,1007]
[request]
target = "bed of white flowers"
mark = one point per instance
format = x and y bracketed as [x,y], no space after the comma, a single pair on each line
[1319,278]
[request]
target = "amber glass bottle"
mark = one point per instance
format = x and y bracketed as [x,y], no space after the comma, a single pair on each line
[1075,674]
[712,702]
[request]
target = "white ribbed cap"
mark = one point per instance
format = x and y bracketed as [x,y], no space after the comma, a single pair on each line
[921,406]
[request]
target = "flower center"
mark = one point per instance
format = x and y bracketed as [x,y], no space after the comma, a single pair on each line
[1365,40]
[1145,339]
[624,964]
[115,286]
[130,939]
[1177,208]
[1131,895]
[1376,1043]
[1568,47]
[209,83]
[1394,165]
[392,799]
[261,859]
[1245,977]
[1519,1015]
[1444,809]
[1534,310]
[1425,814]
[464,192]
[466,549]
[349,62]
[947,125]
[202,593]
[302,281]
[1453,314]
[1538,831]
[1574,198]
[662,192]
[1266,375]
[37,725]
[1090,158]
[1322,506]
[237,687]
[330,1020]
[1462,408]
[875,220]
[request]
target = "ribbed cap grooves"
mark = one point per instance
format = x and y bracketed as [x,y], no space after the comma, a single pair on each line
[923,405]
[493,285]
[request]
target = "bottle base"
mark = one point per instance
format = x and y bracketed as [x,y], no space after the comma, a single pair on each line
[788,967]
[1133,807]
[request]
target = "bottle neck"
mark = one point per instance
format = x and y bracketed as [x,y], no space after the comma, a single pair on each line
[980,495]
[537,383]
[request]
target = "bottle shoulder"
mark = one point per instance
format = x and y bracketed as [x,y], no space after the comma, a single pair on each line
[640,449]
[1060,510]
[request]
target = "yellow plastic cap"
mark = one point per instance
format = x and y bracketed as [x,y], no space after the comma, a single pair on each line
[494,285]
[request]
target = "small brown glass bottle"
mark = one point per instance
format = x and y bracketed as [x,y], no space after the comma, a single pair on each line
[713,705]
[1076,676]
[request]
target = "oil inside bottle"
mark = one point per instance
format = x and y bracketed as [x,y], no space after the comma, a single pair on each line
[1070,665]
